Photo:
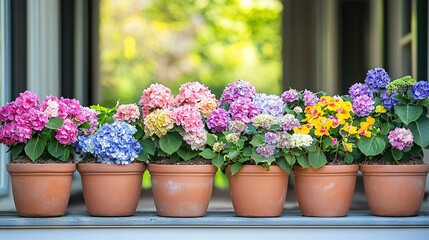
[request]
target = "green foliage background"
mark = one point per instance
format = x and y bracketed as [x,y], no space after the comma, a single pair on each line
[175,41]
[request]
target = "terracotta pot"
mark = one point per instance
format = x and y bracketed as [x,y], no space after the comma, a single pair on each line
[111,189]
[327,191]
[256,192]
[182,190]
[394,190]
[41,190]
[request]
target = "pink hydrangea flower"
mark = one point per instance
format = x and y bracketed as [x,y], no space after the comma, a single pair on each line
[67,133]
[243,109]
[400,138]
[188,117]
[192,93]
[156,96]
[127,113]
[7,112]
[27,100]
[196,140]
[12,133]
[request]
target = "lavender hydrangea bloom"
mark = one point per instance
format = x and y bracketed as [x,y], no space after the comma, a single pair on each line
[310,99]
[389,100]
[290,96]
[243,109]
[288,122]
[420,90]
[266,150]
[236,90]
[400,138]
[359,89]
[271,138]
[363,105]
[112,144]
[377,79]
[218,120]
[269,104]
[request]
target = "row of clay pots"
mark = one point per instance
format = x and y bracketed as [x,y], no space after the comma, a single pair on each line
[185,190]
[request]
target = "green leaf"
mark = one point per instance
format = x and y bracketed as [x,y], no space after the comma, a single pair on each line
[208,154]
[186,153]
[55,148]
[248,151]
[66,154]
[35,147]
[397,154]
[420,130]
[408,113]
[424,102]
[290,159]
[16,150]
[385,128]
[143,157]
[303,161]
[217,161]
[139,134]
[211,139]
[236,167]
[232,154]
[148,146]
[371,146]
[348,158]
[257,140]
[317,159]
[85,125]
[170,143]
[54,123]
[284,166]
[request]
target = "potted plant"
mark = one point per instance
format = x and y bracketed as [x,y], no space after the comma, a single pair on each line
[182,180]
[251,140]
[40,138]
[111,178]
[392,116]
[326,172]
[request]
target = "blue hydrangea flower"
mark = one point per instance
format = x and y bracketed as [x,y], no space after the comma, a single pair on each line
[111,144]
[269,104]
[389,100]
[377,79]
[420,90]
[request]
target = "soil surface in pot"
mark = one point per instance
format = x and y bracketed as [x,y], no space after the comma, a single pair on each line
[26,160]
[200,161]
[413,161]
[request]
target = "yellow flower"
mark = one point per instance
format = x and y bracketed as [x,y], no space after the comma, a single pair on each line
[348,147]
[324,100]
[305,129]
[349,128]
[206,106]
[322,126]
[158,122]
[343,111]
[366,127]
[380,109]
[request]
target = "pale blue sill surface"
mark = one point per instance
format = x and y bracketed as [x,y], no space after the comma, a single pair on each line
[289,219]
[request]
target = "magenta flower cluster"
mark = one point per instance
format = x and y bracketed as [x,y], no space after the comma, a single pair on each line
[243,109]
[363,105]
[218,120]
[290,96]
[236,90]
[400,138]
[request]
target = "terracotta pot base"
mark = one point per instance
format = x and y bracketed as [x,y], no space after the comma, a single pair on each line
[256,192]
[327,191]
[182,190]
[395,190]
[110,189]
[41,190]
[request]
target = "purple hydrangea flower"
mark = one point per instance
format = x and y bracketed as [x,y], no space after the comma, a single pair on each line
[218,120]
[377,79]
[283,140]
[271,138]
[420,90]
[363,105]
[400,138]
[288,122]
[266,150]
[310,99]
[269,104]
[359,89]
[389,100]
[290,96]
[236,90]
[243,109]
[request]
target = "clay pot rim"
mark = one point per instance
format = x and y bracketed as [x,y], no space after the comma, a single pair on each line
[328,169]
[138,167]
[257,169]
[183,169]
[41,168]
[401,168]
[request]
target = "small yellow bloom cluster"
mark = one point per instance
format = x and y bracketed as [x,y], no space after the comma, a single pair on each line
[158,122]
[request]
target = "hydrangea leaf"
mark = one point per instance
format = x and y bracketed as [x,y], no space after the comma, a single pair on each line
[16,150]
[208,154]
[420,131]
[187,154]
[236,167]
[282,163]
[397,154]
[211,139]
[170,143]
[408,113]
[303,161]
[148,146]
[317,159]
[54,123]
[257,140]
[217,161]
[371,146]
[35,147]
[55,148]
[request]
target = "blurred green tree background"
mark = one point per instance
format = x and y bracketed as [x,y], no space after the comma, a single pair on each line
[175,41]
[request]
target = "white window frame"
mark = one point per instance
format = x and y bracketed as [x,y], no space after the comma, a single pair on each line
[5,82]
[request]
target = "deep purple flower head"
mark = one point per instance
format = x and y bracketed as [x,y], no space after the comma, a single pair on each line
[359,89]
[243,109]
[310,98]
[389,100]
[290,96]
[218,120]
[420,90]
[377,79]
[269,104]
[363,105]
[236,90]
